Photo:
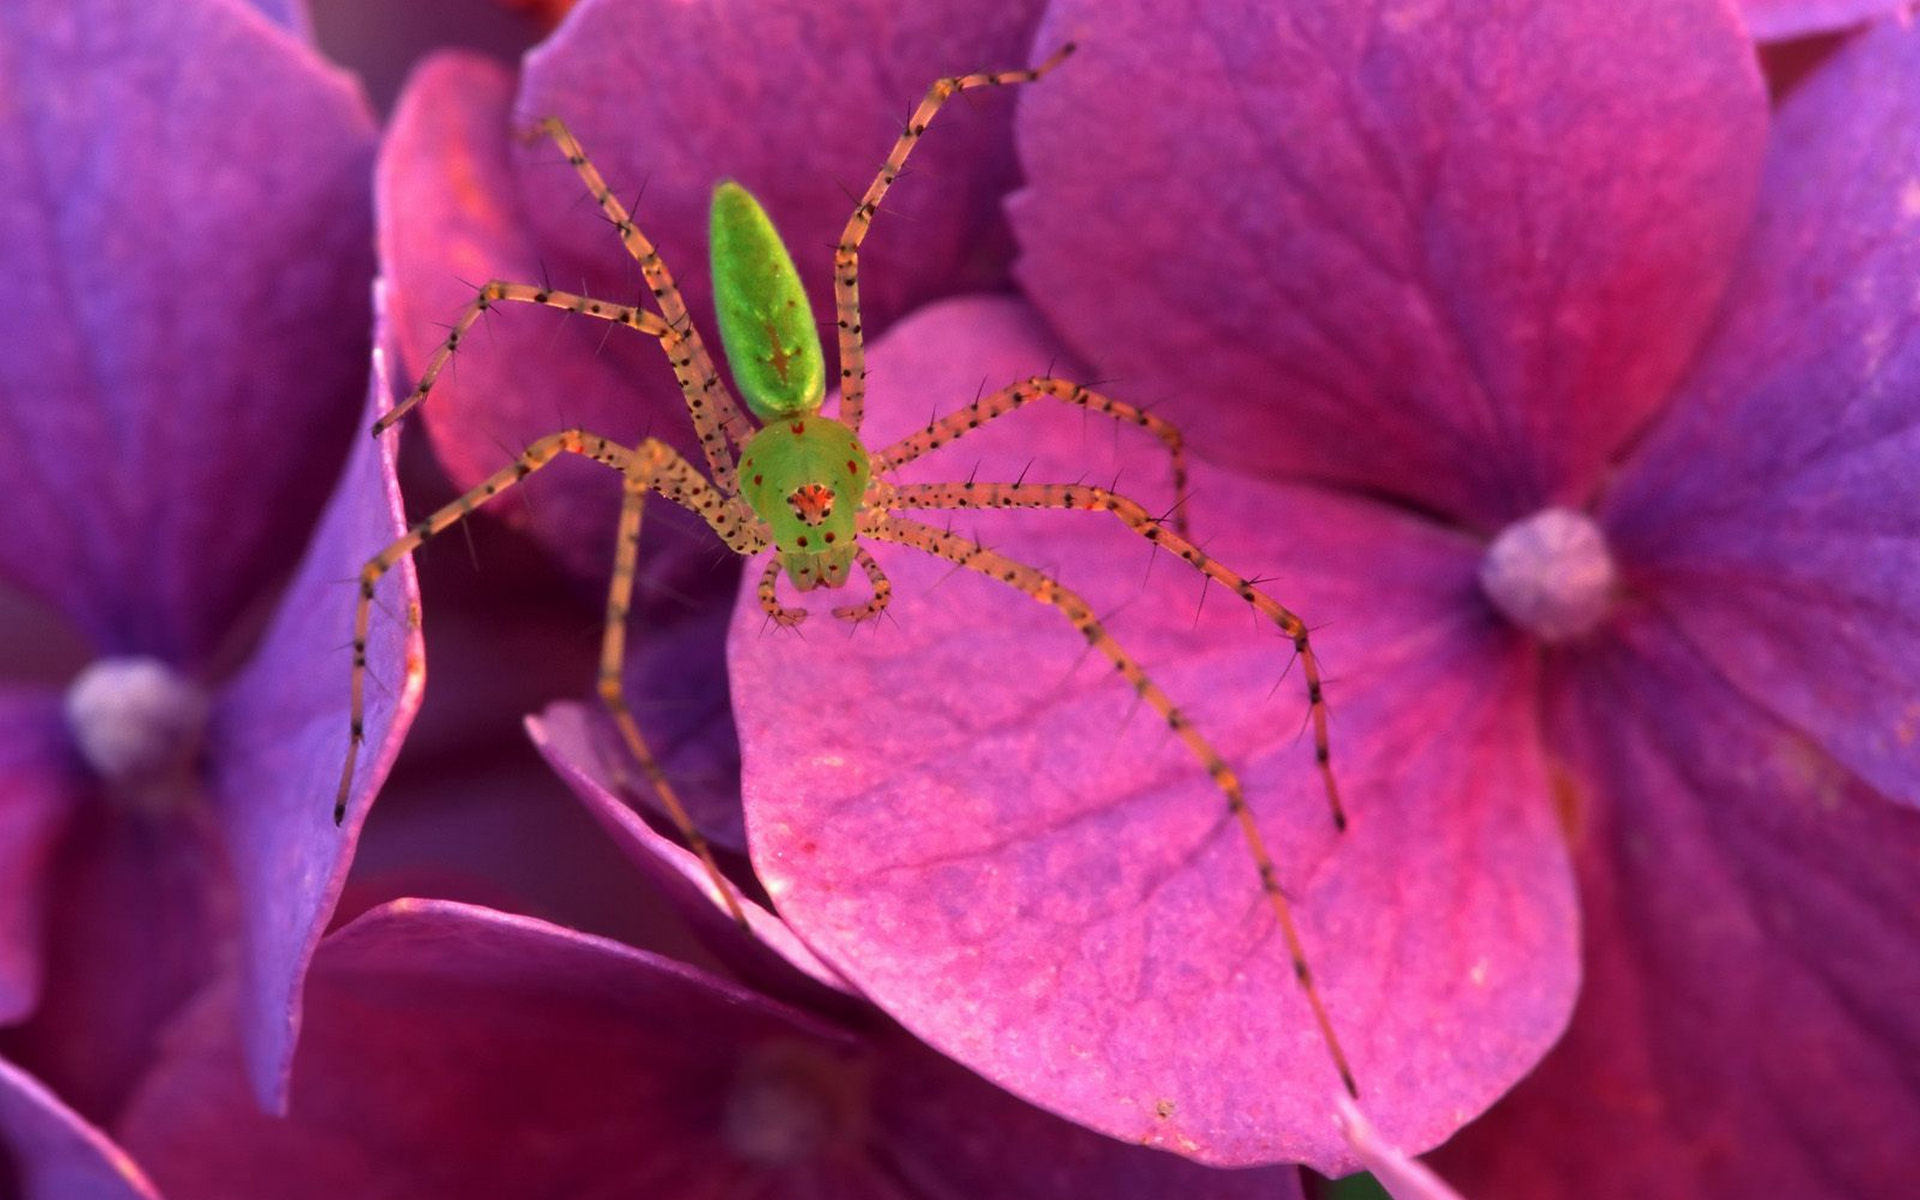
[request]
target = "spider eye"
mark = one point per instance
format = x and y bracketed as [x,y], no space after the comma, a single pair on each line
[812,503]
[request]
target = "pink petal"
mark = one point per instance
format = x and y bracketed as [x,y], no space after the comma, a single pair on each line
[1456,252]
[962,810]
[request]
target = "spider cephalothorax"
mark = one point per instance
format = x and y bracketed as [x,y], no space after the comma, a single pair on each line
[805,478]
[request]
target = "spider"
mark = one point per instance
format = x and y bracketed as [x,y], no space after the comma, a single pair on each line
[803,484]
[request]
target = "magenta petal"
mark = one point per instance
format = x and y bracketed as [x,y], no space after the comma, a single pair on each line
[1747,1025]
[962,810]
[54,1154]
[956,1136]
[1775,515]
[456,1052]
[1457,253]
[1772,20]
[451,1051]
[40,783]
[800,104]
[280,735]
[184,218]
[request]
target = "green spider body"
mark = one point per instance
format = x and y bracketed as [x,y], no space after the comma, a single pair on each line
[804,475]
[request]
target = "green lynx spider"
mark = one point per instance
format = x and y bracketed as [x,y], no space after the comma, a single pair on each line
[806,486]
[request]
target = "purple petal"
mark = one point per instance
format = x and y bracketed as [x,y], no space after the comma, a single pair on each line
[185,218]
[452,1051]
[1746,1027]
[1777,19]
[54,1155]
[963,810]
[1457,253]
[290,15]
[280,734]
[773,959]
[41,785]
[1775,516]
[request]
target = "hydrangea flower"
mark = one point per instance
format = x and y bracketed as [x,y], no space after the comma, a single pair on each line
[1459,269]
[1438,330]
[1015,865]
[455,1051]
[184,207]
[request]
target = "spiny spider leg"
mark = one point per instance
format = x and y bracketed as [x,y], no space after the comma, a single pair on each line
[653,465]
[961,422]
[770,597]
[701,390]
[855,613]
[665,293]
[846,256]
[538,455]
[882,591]
[1047,590]
[1137,519]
